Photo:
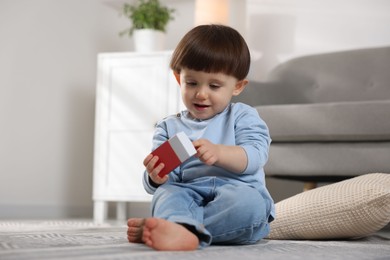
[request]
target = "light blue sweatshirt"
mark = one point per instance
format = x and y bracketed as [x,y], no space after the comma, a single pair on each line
[238,124]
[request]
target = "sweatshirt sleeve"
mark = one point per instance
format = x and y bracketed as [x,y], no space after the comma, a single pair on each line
[159,137]
[252,134]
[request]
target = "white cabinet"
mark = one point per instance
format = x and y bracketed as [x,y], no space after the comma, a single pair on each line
[134,91]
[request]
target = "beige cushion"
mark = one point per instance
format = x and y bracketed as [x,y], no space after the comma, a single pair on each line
[352,208]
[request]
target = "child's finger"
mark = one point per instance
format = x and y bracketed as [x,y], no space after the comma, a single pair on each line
[152,164]
[158,169]
[147,159]
[154,174]
[197,143]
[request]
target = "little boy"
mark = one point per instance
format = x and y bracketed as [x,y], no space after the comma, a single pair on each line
[219,195]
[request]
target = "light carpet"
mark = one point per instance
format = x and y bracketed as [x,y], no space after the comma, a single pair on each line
[85,240]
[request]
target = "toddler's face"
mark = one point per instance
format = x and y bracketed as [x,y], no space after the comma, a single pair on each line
[207,94]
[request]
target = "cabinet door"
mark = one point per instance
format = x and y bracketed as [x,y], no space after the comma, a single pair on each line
[134,92]
[126,151]
[138,92]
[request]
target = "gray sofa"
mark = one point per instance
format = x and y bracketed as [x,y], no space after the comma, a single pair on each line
[328,115]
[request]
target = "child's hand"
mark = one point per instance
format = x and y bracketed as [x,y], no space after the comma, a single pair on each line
[153,170]
[206,151]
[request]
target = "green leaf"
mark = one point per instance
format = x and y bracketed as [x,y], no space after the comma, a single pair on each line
[147,14]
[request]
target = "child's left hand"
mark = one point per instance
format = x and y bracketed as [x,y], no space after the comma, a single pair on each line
[206,151]
[232,158]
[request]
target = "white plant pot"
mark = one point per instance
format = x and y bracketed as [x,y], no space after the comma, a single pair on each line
[148,40]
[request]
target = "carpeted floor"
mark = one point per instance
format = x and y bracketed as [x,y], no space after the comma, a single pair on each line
[84,240]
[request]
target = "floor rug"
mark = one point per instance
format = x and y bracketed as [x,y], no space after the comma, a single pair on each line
[21,240]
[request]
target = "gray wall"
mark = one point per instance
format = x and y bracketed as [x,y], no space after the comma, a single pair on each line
[48,52]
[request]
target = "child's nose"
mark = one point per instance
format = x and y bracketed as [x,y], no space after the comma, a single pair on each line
[201,94]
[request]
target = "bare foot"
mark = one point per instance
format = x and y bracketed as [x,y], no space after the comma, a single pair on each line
[161,234]
[134,230]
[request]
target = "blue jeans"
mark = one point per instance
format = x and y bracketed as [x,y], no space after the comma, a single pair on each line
[220,211]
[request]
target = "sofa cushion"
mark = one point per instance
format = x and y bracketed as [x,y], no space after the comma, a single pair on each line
[341,121]
[348,75]
[308,159]
[353,208]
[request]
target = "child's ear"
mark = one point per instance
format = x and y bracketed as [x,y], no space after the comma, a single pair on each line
[177,76]
[240,86]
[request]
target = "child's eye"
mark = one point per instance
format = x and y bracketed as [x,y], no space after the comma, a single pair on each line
[191,83]
[214,86]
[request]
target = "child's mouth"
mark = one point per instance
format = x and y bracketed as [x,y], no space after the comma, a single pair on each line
[201,106]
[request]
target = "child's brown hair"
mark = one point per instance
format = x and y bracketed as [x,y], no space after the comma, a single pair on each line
[212,48]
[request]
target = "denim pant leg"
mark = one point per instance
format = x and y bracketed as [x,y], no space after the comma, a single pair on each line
[181,203]
[237,215]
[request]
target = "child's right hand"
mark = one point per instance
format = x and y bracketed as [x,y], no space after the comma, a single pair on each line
[153,170]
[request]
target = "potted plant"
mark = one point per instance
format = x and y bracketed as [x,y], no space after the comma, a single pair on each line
[149,21]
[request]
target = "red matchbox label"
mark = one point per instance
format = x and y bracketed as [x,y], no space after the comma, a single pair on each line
[167,156]
[174,152]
